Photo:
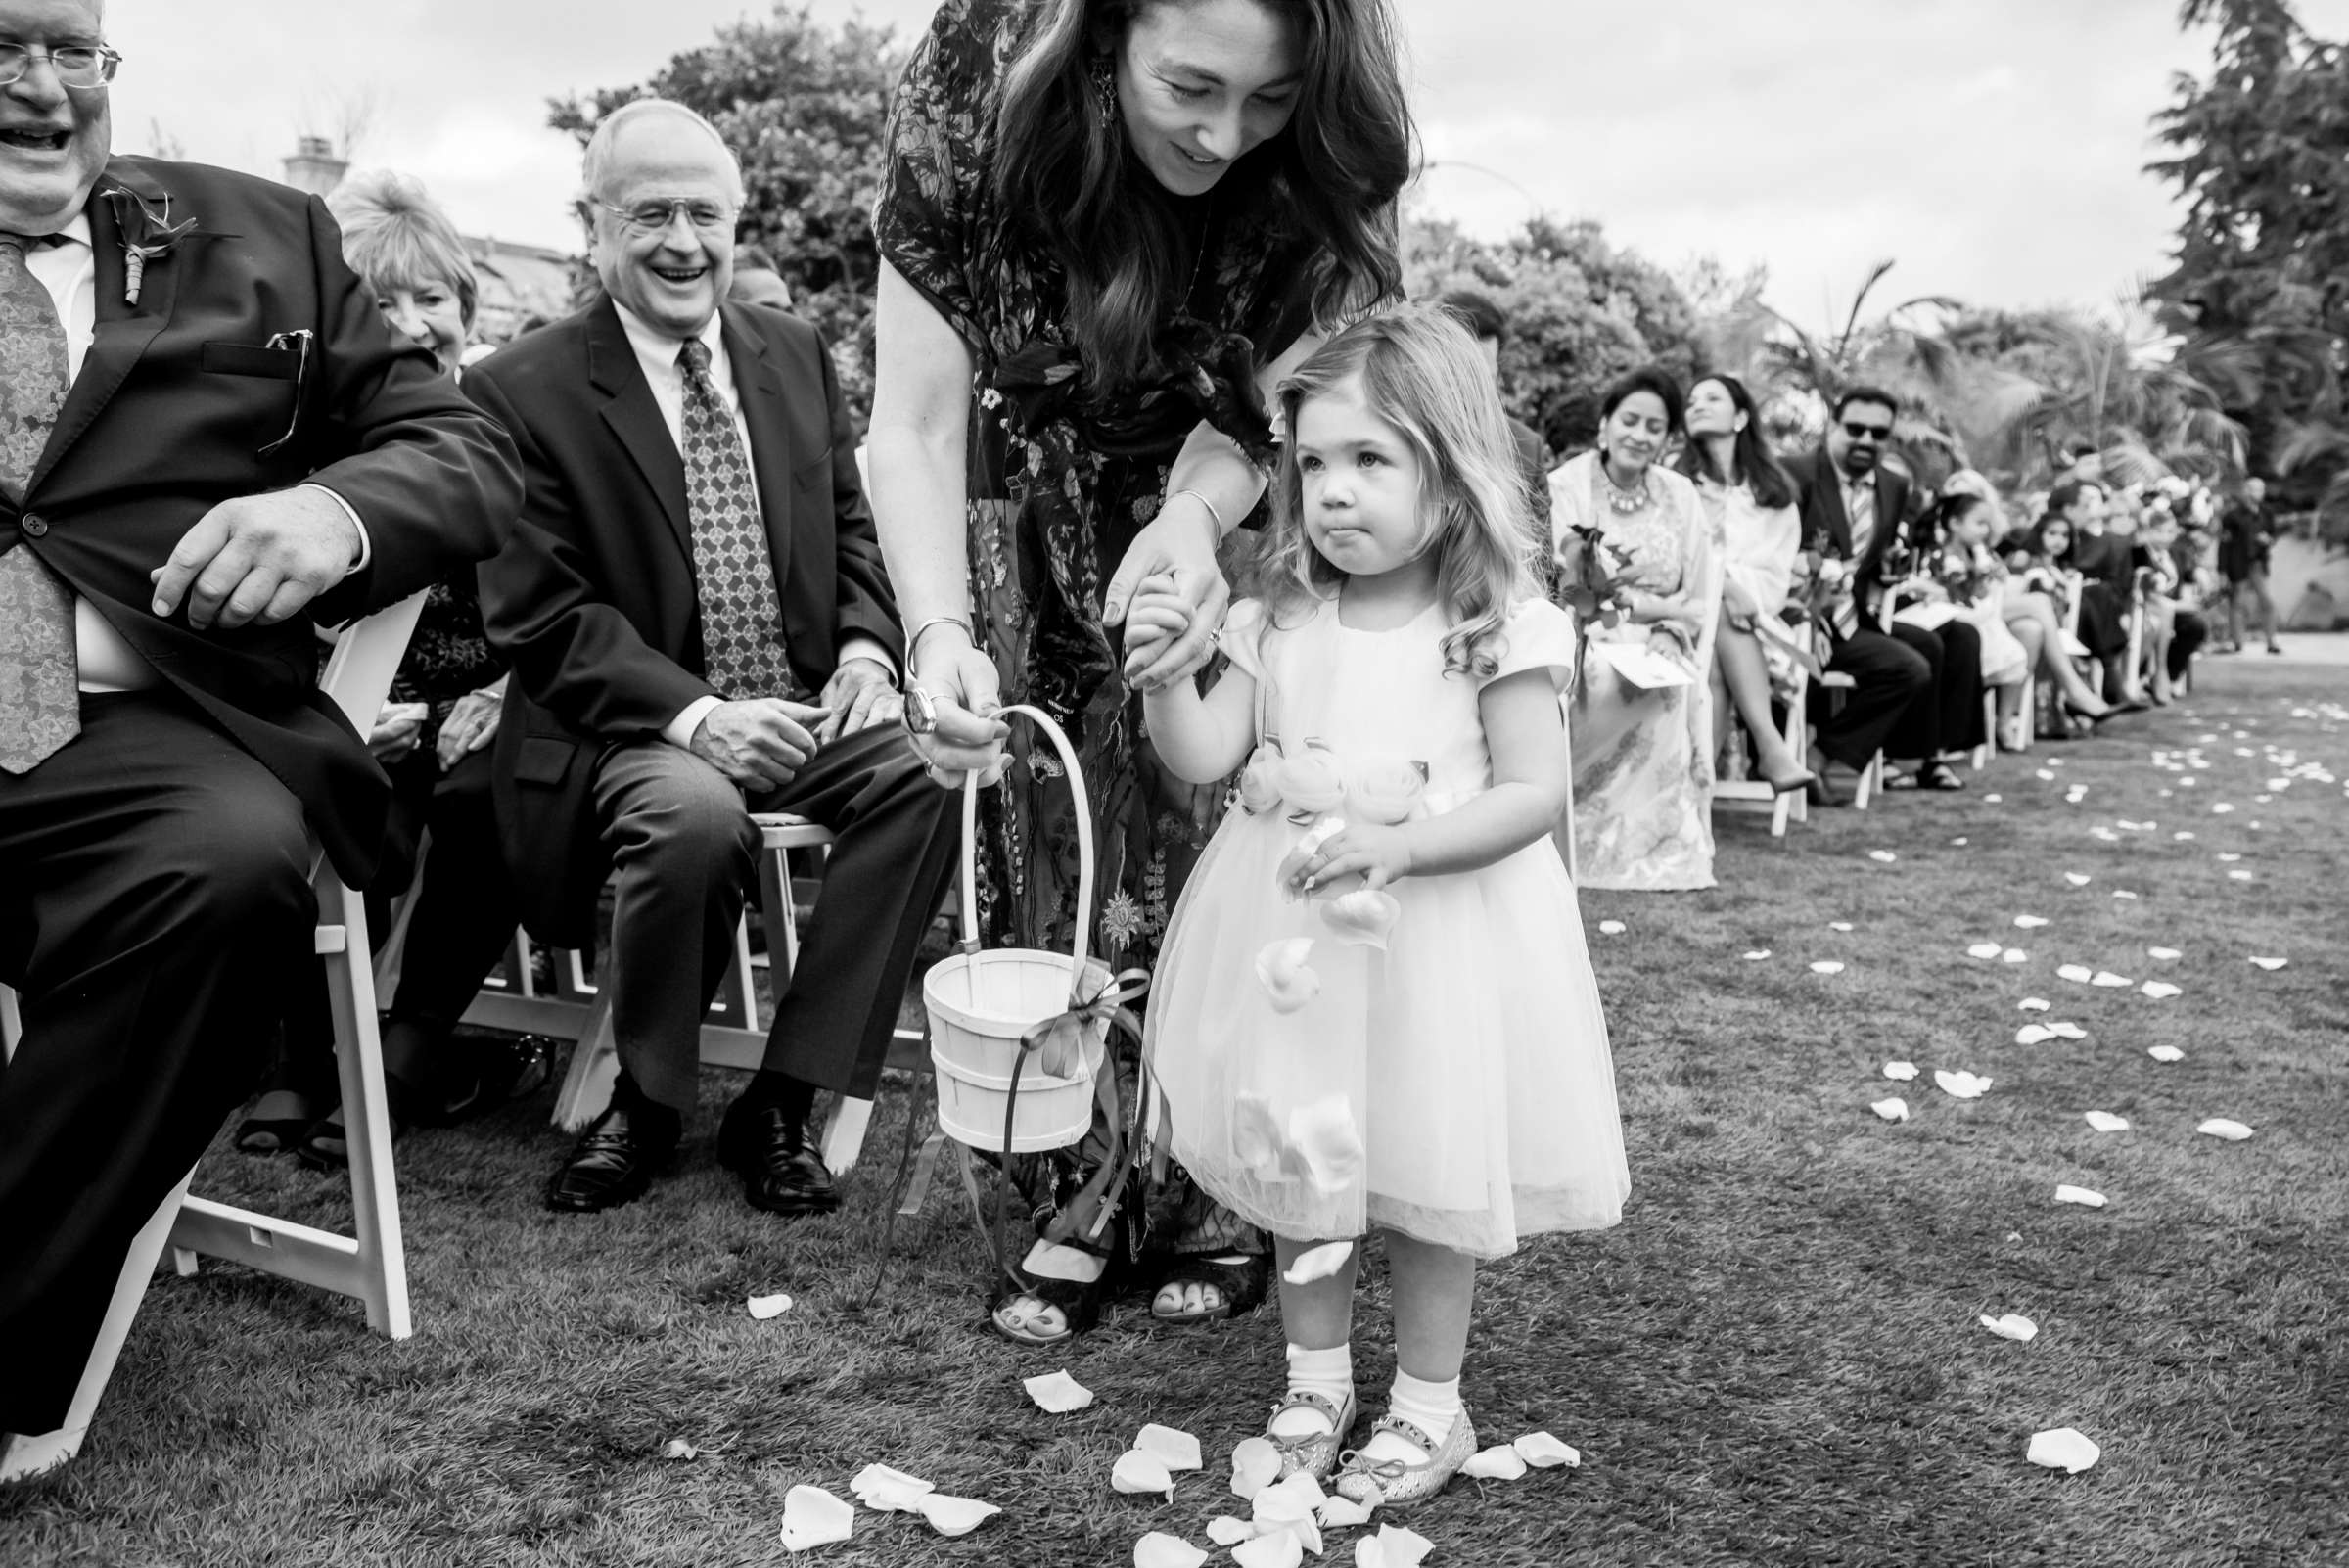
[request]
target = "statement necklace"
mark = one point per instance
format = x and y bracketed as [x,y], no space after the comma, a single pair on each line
[1621,501]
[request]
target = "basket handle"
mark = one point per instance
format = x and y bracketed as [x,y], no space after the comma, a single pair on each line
[1085,842]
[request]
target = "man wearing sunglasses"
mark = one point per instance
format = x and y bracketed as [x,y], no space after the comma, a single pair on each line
[208,442]
[1917,692]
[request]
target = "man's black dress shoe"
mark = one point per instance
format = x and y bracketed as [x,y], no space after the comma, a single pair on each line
[613,1163]
[771,1150]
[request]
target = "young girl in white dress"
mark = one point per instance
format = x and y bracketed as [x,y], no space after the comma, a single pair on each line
[1375,1009]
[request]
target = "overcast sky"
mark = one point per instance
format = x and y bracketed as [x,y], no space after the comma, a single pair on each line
[1994,147]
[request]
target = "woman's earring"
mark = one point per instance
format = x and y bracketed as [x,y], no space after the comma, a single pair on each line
[1105,82]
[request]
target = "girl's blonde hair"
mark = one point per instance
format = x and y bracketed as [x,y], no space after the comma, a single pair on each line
[1422,374]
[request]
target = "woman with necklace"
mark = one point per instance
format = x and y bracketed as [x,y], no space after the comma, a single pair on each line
[1641,717]
[1107,228]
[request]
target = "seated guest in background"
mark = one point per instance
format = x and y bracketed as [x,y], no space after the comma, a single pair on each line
[1957,567]
[199,462]
[1489,325]
[432,738]
[2100,561]
[2173,629]
[2031,599]
[1640,714]
[1906,680]
[757,280]
[699,625]
[1749,506]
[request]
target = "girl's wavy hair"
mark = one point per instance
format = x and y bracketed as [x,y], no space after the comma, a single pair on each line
[1421,373]
[1070,187]
[1751,461]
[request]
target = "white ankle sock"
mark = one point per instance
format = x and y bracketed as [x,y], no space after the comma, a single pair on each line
[1326,1372]
[1430,1407]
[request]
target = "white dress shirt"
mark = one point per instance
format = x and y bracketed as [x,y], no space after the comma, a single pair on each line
[69,270]
[657,355]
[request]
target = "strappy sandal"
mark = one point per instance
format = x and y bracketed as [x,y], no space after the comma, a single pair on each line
[1398,1482]
[1079,1302]
[1242,1286]
[278,1121]
[1315,1452]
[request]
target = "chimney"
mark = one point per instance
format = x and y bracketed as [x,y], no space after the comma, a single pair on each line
[314,167]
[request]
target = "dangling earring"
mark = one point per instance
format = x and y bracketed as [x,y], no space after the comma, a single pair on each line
[1105,83]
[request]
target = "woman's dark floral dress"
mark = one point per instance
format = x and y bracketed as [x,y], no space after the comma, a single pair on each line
[1061,480]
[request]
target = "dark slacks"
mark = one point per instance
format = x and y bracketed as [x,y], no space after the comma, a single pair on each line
[684,853]
[2189,631]
[1948,716]
[1888,678]
[154,907]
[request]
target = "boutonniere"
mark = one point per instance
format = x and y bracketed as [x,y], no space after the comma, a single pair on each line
[147,235]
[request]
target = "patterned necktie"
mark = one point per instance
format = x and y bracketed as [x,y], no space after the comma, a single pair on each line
[742,617]
[40,701]
[1860,503]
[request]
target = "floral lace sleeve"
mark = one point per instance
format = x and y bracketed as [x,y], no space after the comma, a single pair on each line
[928,217]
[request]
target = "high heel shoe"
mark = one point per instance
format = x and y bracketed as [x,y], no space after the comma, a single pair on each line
[1787,786]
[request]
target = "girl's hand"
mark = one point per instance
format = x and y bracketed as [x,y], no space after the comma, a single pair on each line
[1180,546]
[1377,854]
[1155,618]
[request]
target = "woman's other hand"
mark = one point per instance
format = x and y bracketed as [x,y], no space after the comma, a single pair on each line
[957,730]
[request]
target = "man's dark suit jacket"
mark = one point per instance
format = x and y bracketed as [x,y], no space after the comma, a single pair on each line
[179,401]
[1533,461]
[593,599]
[1828,527]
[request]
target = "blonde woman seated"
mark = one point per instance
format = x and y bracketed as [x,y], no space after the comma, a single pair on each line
[1749,508]
[1640,715]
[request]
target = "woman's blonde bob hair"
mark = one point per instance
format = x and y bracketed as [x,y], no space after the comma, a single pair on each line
[397,237]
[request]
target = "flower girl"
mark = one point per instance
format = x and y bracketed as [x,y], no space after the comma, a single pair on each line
[1374,1008]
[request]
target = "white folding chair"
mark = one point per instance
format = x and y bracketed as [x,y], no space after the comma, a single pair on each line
[370,1265]
[1753,794]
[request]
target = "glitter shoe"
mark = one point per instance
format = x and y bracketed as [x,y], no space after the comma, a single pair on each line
[1397,1483]
[1315,1452]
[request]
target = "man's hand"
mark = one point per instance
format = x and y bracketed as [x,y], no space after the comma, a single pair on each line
[259,558]
[761,744]
[470,725]
[860,694]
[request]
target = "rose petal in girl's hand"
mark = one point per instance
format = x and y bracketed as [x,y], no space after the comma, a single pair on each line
[1293,864]
[1317,1262]
[1288,979]
[1362,918]
[1139,1472]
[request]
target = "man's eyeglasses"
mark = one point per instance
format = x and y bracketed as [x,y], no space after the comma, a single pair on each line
[1861,432]
[655,218]
[76,65]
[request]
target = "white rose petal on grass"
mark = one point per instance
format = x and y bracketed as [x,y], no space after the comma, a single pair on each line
[2122,892]
[1317,1262]
[1139,1472]
[2066,1031]
[1900,1072]
[1956,844]
[1176,1450]
[2271,964]
[1757,955]
[764,1308]
[1610,928]
[2033,1035]
[1983,950]
[1280,1548]
[2043,773]
[886,1490]
[679,1448]
[954,1516]
[1882,856]
[1344,1513]
[2014,955]
[2078,879]
[2165,954]
[2029,922]
[2106,1122]
[1546,1452]
[2110,981]
[2220,809]
[2165,1053]
[1158,1550]
[813,1517]
[1392,1546]
[2182,838]
[1827,966]
[1225,1531]
[1990,800]
[1058,1393]
[2218,1127]
[2013,1325]
[2239,876]
[1500,1462]
[2078,974]
[2159,990]
[2035,1004]
[1894,1109]
[1839,925]
[1962,1085]
[2226,858]
[2063,1449]
[2085,1197]
[1254,1462]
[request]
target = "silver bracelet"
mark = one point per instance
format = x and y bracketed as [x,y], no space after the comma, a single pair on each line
[913,643]
[1214,515]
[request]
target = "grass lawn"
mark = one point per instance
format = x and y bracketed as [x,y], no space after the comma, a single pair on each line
[1774,1359]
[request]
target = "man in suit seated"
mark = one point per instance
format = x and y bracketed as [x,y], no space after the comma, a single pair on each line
[209,442]
[1917,692]
[699,625]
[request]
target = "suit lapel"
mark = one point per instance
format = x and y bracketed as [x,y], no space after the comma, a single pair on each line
[759,385]
[635,418]
[122,330]
[1828,482]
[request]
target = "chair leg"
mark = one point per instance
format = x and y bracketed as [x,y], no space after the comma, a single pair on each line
[359,1059]
[1871,779]
[594,1069]
[28,1454]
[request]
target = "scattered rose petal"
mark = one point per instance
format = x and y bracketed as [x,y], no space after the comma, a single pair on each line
[1610,928]
[1827,966]
[1546,1452]
[1254,1463]
[1956,844]
[1282,1548]
[2078,973]
[1500,1462]
[1983,950]
[886,1490]
[2067,1030]
[2182,838]
[1058,1393]
[2227,858]
[2239,876]
[813,1517]
[1362,918]
[2016,955]
[1288,979]
[764,1308]
[2035,1004]
[2043,773]
[1176,1450]
[1225,1531]
[1962,1085]
[1324,1145]
[2218,1127]
[1392,1547]
[2078,879]
[2271,964]
[2159,990]
[2165,954]
[2029,922]
[1882,856]
[2122,892]
[2013,1325]
[2165,1053]
[1344,1513]
[2110,981]
[954,1516]
[679,1448]
[2033,1035]
[1158,1550]
[1757,955]
[1316,1262]
[2220,809]
[2063,1449]
[1894,1109]
[2106,1122]
[1137,1471]
[1990,800]
[1839,925]
[2082,1196]
[1900,1072]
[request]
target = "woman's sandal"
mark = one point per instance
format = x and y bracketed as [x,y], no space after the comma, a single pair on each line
[277,1124]
[1241,1284]
[1315,1452]
[1398,1482]
[1079,1303]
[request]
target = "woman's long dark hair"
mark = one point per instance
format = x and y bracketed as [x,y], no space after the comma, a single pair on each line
[1070,187]
[1751,462]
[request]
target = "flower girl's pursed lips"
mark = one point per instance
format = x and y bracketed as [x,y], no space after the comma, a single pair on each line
[1360,481]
